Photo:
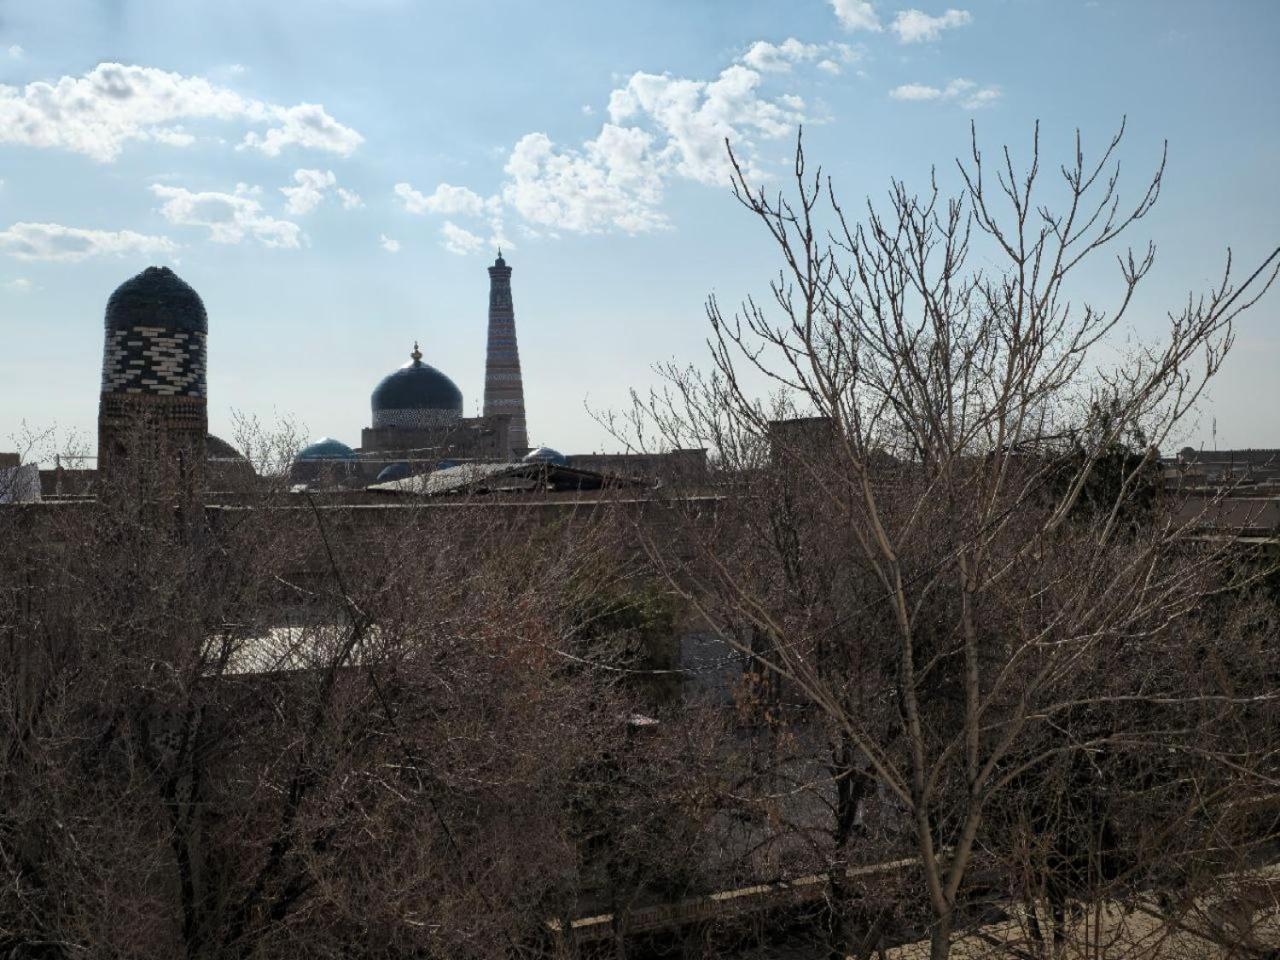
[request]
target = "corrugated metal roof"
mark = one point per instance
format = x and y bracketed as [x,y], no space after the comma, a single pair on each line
[499,477]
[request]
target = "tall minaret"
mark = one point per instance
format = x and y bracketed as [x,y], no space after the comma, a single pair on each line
[503,388]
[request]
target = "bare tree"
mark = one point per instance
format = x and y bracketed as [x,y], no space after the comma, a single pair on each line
[281,725]
[961,561]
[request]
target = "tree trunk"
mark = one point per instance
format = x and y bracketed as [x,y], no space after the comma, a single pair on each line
[940,937]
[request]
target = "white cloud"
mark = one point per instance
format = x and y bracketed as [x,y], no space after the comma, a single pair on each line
[915,91]
[780,57]
[312,187]
[457,240]
[414,200]
[98,113]
[18,285]
[981,98]
[16,52]
[696,117]
[447,200]
[613,182]
[310,190]
[913,26]
[173,136]
[450,201]
[964,92]
[388,244]
[229,217]
[499,239]
[52,241]
[660,128]
[306,125]
[588,110]
[857,15]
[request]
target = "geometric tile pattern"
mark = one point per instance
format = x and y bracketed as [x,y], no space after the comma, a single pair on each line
[125,410]
[414,419]
[154,360]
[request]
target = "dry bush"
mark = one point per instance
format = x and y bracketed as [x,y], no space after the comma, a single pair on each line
[282,727]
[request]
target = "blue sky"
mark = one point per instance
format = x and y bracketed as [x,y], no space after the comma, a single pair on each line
[413,137]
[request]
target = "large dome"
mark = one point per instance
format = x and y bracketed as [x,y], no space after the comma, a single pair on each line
[416,396]
[157,297]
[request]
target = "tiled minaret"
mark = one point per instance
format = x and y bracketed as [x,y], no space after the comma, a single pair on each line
[153,372]
[503,388]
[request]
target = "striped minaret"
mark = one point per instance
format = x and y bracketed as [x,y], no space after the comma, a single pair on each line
[503,388]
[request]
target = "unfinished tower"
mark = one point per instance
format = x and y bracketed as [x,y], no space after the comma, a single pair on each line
[153,373]
[503,388]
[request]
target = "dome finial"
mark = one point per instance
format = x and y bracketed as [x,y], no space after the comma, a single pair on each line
[417,354]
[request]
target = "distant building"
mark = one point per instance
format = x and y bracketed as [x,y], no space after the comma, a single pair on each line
[153,408]
[417,416]
[416,412]
[687,465]
[1217,467]
[801,438]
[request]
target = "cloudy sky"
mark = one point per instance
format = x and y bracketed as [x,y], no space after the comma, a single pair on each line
[334,175]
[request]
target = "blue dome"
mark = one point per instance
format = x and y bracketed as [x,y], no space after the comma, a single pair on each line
[416,386]
[393,471]
[546,455]
[327,449]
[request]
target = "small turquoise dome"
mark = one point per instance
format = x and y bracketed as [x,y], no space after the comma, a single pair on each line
[546,455]
[326,448]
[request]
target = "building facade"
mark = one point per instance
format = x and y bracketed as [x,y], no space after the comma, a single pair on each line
[416,422]
[153,405]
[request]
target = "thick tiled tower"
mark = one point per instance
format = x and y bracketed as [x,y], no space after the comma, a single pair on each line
[153,372]
[503,388]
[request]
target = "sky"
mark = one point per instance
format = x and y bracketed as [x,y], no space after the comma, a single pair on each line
[333,176]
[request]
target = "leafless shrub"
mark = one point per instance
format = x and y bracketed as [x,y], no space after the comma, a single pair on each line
[281,726]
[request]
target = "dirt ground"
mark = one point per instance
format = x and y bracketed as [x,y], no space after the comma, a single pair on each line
[1242,923]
